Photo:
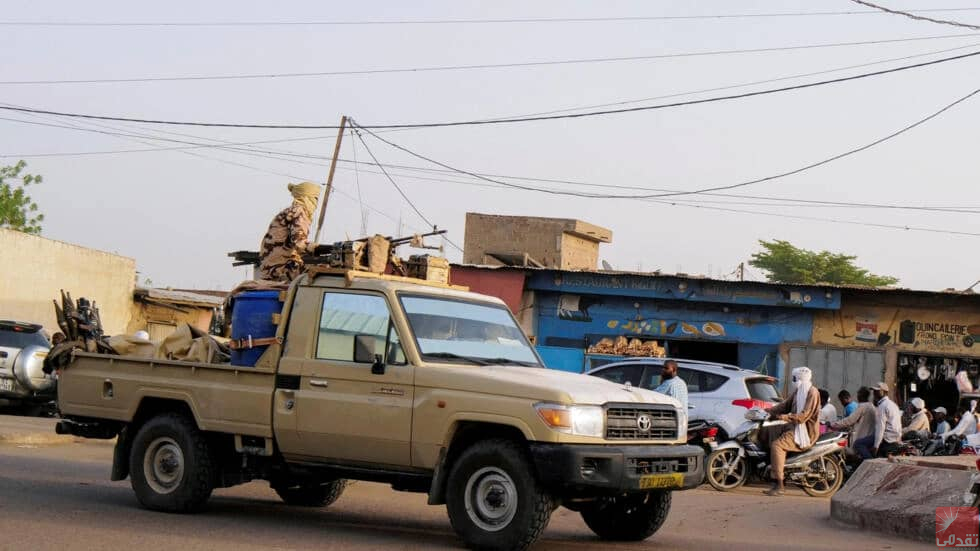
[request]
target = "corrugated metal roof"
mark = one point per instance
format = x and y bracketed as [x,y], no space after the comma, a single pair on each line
[180,297]
[659,274]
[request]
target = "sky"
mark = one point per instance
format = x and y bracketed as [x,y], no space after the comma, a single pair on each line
[179,212]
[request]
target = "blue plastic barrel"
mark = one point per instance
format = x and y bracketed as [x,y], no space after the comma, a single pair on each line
[251,316]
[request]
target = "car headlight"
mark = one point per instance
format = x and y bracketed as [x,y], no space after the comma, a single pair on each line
[577,420]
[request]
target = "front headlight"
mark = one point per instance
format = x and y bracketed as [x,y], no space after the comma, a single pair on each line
[577,420]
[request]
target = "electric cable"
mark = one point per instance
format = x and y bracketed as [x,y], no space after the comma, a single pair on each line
[634,18]
[911,15]
[408,200]
[440,68]
[507,120]
[799,170]
[279,156]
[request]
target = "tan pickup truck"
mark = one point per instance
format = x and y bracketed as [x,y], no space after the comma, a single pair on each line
[425,387]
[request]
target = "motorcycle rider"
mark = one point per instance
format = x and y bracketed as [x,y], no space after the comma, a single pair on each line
[888,426]
[919,424]
[801,412]
[942,425]
[862,421]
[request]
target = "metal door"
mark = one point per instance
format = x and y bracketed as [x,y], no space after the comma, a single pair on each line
[836,369]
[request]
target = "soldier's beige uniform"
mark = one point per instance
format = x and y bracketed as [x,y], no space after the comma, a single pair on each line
[281,251]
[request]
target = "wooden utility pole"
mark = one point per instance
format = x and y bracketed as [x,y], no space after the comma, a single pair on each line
[741,271]
[333,167]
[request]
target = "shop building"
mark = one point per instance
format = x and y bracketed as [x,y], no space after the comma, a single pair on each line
[580,317]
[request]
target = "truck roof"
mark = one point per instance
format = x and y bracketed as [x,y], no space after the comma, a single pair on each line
[335,277]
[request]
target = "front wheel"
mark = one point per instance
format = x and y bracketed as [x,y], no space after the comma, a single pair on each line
[824,476]
[493,499]
[726,471]
[630,518]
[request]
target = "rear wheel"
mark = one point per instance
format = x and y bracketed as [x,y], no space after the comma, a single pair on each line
[493,499]
[629,518]
[824,476]
[311,495]
[725,470]
[170,465]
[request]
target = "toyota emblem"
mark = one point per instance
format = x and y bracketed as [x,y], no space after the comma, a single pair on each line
[643,422]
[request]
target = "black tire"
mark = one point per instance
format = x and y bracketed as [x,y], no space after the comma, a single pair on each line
[311,495]
[170,465]
[493,498]
[630,518]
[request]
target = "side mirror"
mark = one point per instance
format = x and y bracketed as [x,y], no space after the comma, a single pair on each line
[364,347]
[364,353]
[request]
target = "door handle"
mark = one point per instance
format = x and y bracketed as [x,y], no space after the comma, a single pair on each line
[319,383]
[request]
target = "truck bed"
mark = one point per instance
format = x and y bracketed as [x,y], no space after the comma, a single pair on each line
[223,398]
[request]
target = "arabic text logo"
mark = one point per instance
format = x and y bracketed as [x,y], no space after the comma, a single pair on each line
[957,526]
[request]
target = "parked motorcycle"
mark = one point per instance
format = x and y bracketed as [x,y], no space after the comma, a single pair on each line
[818,470]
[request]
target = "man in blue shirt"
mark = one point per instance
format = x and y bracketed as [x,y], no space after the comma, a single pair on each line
[849,404]
[672,385]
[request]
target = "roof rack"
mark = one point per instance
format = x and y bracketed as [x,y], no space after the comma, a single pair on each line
[350,275]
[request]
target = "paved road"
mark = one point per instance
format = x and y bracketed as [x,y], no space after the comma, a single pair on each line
[59,496]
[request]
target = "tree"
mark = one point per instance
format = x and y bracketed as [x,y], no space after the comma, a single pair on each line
[785,263]
[17,210]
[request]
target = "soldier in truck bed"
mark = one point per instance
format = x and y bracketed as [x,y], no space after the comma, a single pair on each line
[281,252]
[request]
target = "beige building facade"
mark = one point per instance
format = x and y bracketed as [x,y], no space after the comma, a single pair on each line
[35,269]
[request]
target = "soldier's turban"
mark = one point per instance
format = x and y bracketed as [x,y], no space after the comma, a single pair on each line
[305,189]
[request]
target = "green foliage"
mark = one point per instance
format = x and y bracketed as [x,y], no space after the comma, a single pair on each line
[17,210]
[785,263]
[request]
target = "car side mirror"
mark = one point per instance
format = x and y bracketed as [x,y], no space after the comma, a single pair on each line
[364,353]
[364,347]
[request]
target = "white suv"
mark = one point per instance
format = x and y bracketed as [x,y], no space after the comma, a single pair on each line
[718,393]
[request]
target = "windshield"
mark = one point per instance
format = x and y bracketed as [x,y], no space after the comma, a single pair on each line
[449,329]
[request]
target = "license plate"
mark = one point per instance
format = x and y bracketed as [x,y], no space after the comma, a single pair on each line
[661,481]
[6,385]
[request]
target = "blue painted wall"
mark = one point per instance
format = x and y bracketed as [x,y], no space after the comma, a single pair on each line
[562,332]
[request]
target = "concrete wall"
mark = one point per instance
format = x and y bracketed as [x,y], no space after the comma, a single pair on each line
[35,269]
[554,242]
[147,317]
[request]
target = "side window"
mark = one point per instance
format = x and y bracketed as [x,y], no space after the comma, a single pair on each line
[622,374]
[345,315]
[712,382]
[691,377]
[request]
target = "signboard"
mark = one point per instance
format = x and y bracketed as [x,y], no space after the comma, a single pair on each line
[909,329]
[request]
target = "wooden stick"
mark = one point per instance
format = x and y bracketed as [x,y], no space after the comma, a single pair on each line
[333,166]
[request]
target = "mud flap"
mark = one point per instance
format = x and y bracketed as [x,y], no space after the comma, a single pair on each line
[120,455]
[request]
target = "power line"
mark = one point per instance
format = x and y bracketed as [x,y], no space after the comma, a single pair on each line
[440,68]
[275,155]
[311,23]
[227,162]
[660,201]
[743,84]
[568,109]
[833,220]
[917,17]
[692,192]
[507,120]
[360,138]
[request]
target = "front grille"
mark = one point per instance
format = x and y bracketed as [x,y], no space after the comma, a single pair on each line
[661,465]
[630,423]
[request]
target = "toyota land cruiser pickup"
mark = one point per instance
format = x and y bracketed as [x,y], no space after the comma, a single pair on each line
[426,387]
